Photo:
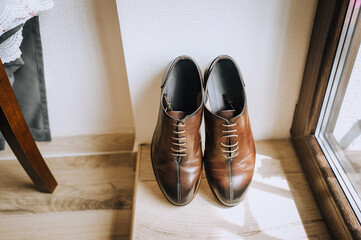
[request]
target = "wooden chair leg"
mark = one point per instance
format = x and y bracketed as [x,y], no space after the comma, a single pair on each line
[19,138]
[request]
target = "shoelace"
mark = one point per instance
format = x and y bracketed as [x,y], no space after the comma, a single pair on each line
[179,140]
[227,151]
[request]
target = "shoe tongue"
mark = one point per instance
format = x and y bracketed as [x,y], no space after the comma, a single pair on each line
[227,114]
[177,114]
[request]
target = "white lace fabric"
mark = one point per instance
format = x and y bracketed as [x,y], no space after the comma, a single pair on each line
[12,14]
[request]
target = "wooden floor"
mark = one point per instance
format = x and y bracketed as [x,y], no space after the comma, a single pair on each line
[95,196]
[93,199]
[278,205]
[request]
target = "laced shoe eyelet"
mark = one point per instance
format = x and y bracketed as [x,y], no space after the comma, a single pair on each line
[179,144]
[228,150]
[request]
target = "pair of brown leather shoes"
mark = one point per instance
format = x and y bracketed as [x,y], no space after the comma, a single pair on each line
[176,146]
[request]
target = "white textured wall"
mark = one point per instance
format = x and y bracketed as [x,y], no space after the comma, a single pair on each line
[84,69]
[268,39]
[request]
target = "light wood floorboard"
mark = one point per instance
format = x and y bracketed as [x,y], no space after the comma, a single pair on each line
[93,199]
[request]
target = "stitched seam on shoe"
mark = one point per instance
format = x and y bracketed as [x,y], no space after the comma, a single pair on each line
[230,182]
[179,186]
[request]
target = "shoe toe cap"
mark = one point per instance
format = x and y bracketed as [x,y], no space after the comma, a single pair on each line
[231,193]
[179,194]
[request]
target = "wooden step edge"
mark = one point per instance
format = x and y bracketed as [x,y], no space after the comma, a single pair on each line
[81,145]
[136,180]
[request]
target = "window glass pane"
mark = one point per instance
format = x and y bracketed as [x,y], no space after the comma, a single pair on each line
[347,130]
[339,128]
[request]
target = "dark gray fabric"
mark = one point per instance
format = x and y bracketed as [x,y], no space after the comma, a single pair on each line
[9,33]
[12,67]
[29,84]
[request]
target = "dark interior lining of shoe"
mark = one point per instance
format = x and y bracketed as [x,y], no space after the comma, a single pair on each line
[225,80]
[183,88]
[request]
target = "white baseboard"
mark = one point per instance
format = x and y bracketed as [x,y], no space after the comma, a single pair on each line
[81,145]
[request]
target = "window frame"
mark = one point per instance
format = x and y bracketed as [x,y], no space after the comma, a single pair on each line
[327,27]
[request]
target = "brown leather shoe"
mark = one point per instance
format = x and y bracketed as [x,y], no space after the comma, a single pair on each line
[176,146]
[230,151]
